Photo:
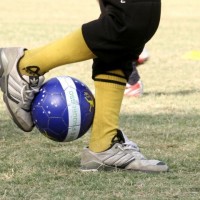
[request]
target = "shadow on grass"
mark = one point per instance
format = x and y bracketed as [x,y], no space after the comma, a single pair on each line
[170,128]
[186,119]
[175,93]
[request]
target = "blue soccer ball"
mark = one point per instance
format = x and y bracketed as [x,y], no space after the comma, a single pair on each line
[63,110]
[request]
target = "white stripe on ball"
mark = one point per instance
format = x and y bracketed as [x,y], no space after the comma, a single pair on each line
[74,111]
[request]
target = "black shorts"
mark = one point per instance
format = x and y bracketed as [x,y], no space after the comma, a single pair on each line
[118,36]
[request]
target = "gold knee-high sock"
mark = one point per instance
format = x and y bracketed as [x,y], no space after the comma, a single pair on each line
[70,49]
[109,91]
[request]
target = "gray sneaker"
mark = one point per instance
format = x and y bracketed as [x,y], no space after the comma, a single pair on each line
[124,154]
[18,91]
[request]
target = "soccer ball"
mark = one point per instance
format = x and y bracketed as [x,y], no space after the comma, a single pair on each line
[63,110]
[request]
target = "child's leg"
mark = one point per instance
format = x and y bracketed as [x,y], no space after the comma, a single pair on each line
[70,49]
[134,77]
[109,90]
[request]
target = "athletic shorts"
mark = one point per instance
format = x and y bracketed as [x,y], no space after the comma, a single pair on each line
[119,35]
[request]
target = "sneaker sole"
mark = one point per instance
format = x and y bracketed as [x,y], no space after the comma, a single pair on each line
[3,84]
[1,65]
[102,167]
[96,166]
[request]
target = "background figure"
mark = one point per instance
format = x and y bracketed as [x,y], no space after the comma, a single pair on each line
[134,87]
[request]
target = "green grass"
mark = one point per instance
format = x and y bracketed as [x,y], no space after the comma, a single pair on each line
[164,122]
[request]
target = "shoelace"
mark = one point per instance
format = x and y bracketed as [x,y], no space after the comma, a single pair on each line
[28,95]
[129,145]
[135,149]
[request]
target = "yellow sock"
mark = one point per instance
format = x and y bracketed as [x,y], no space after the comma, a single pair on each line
[70,49]
[109,91]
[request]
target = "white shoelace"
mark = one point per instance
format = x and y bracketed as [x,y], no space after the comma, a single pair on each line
[129,145]
[28,95]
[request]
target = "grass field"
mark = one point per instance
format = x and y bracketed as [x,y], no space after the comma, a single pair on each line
[165,122]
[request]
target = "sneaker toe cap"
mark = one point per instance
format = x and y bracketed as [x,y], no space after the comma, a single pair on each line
[148,166]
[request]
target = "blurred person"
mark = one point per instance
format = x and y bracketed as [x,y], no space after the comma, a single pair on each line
[134,87]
